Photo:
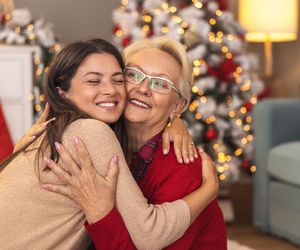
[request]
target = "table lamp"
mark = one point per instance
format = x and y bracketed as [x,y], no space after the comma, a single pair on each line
[269,21]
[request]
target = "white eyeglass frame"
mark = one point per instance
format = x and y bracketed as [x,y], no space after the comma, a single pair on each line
[156,77]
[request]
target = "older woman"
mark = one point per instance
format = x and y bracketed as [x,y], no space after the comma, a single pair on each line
[158,79]
[85,81]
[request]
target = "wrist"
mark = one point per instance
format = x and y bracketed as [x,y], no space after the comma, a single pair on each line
[94,214]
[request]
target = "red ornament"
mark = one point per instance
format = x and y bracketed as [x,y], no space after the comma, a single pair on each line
[150,33]
[248,106]
[125,41]
[245,164]
[210,134]
[116,28]
[182,5]
[224,72]
[223,4]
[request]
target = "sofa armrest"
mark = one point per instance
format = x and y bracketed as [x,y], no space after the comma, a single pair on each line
[275,121]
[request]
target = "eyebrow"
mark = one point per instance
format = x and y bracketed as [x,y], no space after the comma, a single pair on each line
[138,67]
[100,74]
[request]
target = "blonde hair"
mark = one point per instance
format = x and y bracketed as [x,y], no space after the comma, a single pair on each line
[173,48]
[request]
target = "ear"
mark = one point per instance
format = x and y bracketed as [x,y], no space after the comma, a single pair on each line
[178,108]
[61,92]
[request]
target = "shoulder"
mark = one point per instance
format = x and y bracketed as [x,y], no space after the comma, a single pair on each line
[170,161]
[90,130]
[89,126]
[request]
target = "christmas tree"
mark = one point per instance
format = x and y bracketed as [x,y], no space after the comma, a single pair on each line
[225,85]
[17,27]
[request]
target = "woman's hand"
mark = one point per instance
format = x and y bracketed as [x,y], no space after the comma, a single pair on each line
[37,128]
[94,193]
[184,147]
[209,174]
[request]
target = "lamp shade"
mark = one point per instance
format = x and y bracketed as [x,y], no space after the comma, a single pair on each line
[273,20]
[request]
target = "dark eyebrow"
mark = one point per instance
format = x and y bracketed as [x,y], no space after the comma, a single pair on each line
[100,74]
[92,73]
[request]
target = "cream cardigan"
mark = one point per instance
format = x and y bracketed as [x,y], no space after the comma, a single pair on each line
[33,218]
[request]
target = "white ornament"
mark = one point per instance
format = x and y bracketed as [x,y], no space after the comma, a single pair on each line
[21,17]
[197,52]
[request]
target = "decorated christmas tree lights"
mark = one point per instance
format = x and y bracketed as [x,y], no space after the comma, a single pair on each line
[225,85]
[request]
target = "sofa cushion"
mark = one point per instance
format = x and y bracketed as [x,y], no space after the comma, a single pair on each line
[284,162]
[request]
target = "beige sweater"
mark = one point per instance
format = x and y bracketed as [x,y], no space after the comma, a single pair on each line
[32,218]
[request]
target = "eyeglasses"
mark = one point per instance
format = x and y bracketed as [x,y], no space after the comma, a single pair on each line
[158,84]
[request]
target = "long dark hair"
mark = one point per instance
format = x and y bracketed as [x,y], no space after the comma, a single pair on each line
[61,72]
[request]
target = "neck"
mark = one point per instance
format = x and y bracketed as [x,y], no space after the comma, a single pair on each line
[139,134]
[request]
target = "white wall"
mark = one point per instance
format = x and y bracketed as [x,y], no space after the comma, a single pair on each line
[73,19]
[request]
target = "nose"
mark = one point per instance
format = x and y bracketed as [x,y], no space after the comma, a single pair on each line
[107,88]
[144,87]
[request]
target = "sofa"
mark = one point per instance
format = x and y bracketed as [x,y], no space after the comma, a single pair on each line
[277,157]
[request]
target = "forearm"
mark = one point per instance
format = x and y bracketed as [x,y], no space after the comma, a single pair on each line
[198,200]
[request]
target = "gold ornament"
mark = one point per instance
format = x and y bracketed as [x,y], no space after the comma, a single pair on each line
[191,38]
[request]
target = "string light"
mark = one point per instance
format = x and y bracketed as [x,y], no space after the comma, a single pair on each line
[219,13]
[195,89]
[164,29]
[198,116]
[253,169]
[212,21]
[196,71]
[250,137]
[198,5]
[222,177]
[238,152]
[173,9]
[147,18]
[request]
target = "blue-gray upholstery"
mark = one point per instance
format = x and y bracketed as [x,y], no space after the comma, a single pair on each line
[277,157]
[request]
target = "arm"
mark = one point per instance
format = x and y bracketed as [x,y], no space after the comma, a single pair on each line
[146,223]
[167,213]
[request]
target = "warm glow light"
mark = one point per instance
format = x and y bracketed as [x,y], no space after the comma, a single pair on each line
[164,29]
[198,116]
[195,89]
[212,21]
[271,20]
[253,169]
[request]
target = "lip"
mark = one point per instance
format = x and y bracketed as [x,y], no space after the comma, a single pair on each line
[108,104]
[138,103]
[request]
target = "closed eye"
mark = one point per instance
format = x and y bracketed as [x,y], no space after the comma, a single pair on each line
[94,81]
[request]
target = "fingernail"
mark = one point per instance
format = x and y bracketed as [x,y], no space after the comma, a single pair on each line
[187,161]
[196,156]
[51,120]
[165,151]
[201,150]
[180,160]
[115,159]
[32,137]
[57,145]
[47,160]
[191,159]
[75,139]
[44,186]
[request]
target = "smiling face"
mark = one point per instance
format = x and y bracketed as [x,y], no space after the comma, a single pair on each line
[145,106]
[97,88]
